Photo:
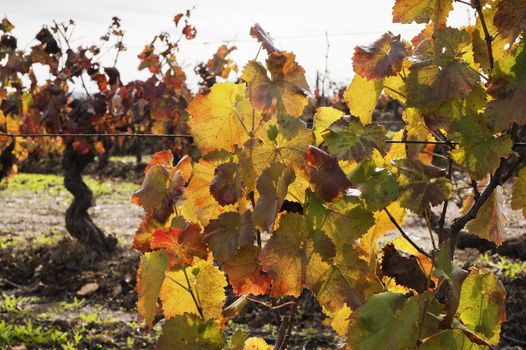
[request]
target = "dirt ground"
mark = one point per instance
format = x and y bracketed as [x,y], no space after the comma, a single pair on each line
[69,295]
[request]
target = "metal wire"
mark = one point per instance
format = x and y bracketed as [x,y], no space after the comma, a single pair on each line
[190,136]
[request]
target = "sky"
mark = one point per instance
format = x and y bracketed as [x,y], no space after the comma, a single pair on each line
[298,26]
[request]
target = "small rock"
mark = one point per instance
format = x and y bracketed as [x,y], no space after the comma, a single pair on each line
[88,289]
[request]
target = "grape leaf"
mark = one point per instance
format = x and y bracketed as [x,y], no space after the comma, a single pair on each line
[406,270]
[382,224]
[482,307]
[421,185]
[432,82]
[378,186]
[422,11]
[221,118]
[349,139]
[386,321]
[272,187]
[245,273]
[510,18]
[6,26]
[207,283]
[323,118]
[229,232]
[255,343]
[182,245]
[327,179]
[287,84]
[227,185]
[346,282]
[490,220]
[150,278]
[478,150]
[381,59]
[290,259]
[198,205]
[287,147]
[190,332]
[450,339]
[343,221]
[154,188]
[361,97]
[518,195]
[508,108]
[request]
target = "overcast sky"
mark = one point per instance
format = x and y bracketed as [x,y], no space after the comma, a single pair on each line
[297,26]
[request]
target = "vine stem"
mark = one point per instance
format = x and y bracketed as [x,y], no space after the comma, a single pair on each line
[402,232]
[285,328]
[191,291]
[487,36]
[443,214]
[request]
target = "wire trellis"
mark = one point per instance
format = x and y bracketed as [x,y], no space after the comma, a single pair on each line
[423,142]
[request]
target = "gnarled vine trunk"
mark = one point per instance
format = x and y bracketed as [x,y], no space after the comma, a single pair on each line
[78,222]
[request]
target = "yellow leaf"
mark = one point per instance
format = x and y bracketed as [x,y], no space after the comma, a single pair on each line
[490,220]
[222,118]
[382,225]
[255,343]
[199,205]
[207,283]
[150,279]
[361,97]
[323,118]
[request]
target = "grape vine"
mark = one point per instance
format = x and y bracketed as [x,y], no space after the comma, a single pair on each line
[273,207]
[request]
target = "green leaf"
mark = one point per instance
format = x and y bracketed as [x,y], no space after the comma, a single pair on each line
[349,139]
[451,339]
[151,277]
[361,97]
[378,186]
[482,307]
[479,151]
[432,82]
[343,221]
[421,185]
[190,332]
[386,321]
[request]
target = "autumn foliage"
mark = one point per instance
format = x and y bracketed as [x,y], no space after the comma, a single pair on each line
[274,208]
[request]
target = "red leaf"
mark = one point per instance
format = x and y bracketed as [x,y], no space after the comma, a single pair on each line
[189,31]
[177,18]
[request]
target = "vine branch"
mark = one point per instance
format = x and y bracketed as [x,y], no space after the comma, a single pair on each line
[402,232]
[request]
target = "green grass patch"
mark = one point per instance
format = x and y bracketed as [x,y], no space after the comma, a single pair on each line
[54,185]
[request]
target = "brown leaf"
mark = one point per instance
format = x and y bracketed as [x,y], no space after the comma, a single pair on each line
[227,185]
[327,179]
[406,270]
[263,37]
[381,59]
